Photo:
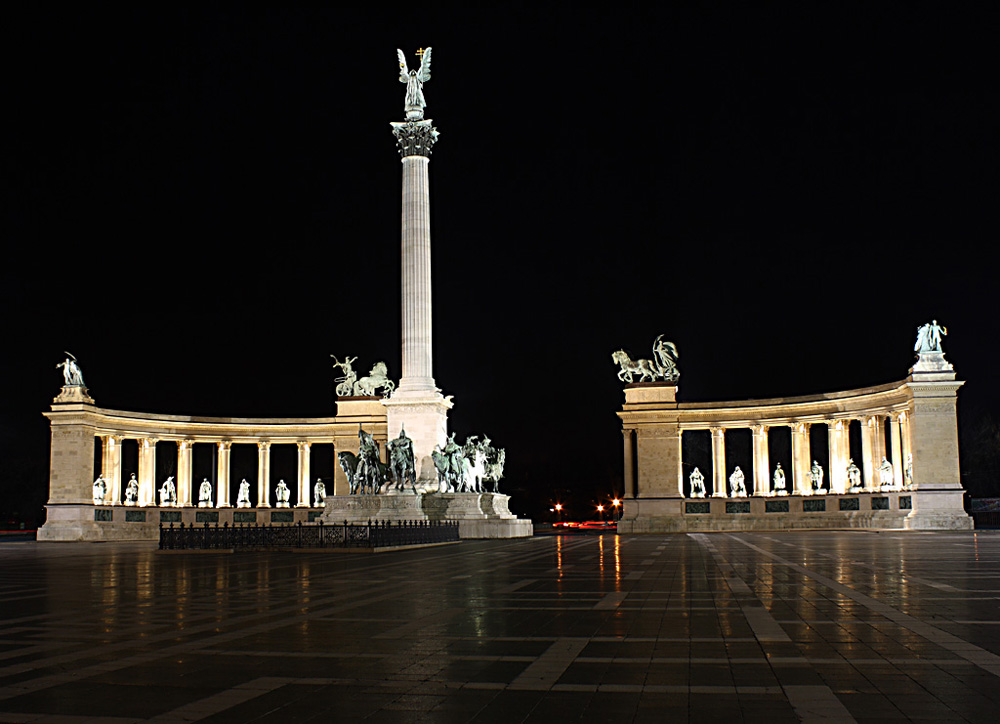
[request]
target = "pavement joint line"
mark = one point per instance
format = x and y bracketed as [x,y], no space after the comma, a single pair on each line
[985,660]
[551,665]
[817,704]
[611,601]
[419,624]
[523,583]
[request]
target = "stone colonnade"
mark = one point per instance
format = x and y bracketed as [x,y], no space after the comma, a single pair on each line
[76,421]
[912,423]
[798,481]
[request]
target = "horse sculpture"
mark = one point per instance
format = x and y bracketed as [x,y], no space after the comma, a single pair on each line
[643,367]
[663,366]
[376,378]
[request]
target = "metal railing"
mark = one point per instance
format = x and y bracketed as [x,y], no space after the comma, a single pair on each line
[383,534]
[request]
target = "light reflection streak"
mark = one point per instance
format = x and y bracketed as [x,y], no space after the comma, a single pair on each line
[618,564]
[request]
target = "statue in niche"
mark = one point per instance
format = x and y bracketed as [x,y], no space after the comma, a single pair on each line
[378,377]
[319,494]
[697,481]
[100,491]
[780,487]
[853,477]
[816,477]
[414,103]
[886,475]
[72,376]
[281,495]
[243,497]
[205,494]
[908,470]
[345,383]
[401,462]
[168,492]
[929,338]
[663,366]
[737,486]
[132,491]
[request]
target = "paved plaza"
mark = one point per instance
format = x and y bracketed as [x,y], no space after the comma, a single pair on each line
[811,626]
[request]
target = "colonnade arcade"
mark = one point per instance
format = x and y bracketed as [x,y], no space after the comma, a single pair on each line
[111,470]
[883,435]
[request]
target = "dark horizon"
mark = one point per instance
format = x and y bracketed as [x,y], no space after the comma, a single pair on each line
[205,206]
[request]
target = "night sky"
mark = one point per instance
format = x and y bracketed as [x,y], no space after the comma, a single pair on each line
[203,204]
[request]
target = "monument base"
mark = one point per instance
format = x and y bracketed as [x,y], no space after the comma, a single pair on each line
[424,416]
[479,515]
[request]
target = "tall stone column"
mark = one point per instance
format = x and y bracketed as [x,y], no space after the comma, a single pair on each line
[264,474]
[904,432]
[718,462]
[761,462]
[897,450]
[303,501]
[801,458]
[147,471]
[222,485]
[838,457]
[868,450]
[417,404]
[629,460]
[879,440]
[115,470]
[185,472]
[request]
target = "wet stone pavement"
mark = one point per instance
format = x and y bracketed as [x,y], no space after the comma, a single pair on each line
[775,627]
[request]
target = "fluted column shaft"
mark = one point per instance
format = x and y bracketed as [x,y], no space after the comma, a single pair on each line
[264,474]
[417,371]
[718,462]
[222,483]
[303,501]
[147,471]
[761,461]
[801,458]
[897,451]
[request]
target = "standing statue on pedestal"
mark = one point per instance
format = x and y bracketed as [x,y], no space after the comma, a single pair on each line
[281,495]
[345,383]
[168,492]
[929,338]
[779,481]
[697,484]
[816,477]
[853,477]
[205,494]
[886,475]
[414,103]
[401,462]
[319,494]
[132,491]
[663,366]
[100,491]
[737,486]
[908,471]
[243,497]
[72,376]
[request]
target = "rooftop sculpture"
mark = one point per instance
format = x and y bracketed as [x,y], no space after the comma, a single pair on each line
[663,366]
[414,103]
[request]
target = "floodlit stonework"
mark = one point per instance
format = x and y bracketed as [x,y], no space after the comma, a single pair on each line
[924,491]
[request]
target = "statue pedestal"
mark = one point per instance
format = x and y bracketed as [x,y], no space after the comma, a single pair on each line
[424,416]
[73,395]
[479,515]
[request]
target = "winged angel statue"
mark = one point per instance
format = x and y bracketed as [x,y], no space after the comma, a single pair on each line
[415,80]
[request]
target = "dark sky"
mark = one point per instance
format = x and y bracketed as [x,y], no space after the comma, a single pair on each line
[203,204]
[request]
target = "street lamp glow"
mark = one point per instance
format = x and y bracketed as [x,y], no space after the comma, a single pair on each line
[558,506]
[600,508]
[616,502]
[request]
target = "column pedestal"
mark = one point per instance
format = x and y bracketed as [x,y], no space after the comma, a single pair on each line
[424,416]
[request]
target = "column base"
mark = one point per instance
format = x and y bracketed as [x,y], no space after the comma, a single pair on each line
[424,416]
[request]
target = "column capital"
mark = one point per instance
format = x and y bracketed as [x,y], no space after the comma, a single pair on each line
[303,444]
[149,441]
[263,445]
[184,444]
[759,429]
[415,138]
[224,444]
[718,431]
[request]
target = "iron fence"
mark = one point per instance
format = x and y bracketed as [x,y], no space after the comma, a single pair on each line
[384,534]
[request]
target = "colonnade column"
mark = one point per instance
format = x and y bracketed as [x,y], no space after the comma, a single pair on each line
[879,439]
[904,431]
[303,501]
[838,458]
[222,484]
[680,462]
[897,451]
[147,471]
[761,462]
[718,462]
[184,472]
[264,474]
[106,462]
[801,458]
[116,467]
[869,451]
[629,468]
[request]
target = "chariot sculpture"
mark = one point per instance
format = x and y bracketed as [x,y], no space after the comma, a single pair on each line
[662,367]
[348,384]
